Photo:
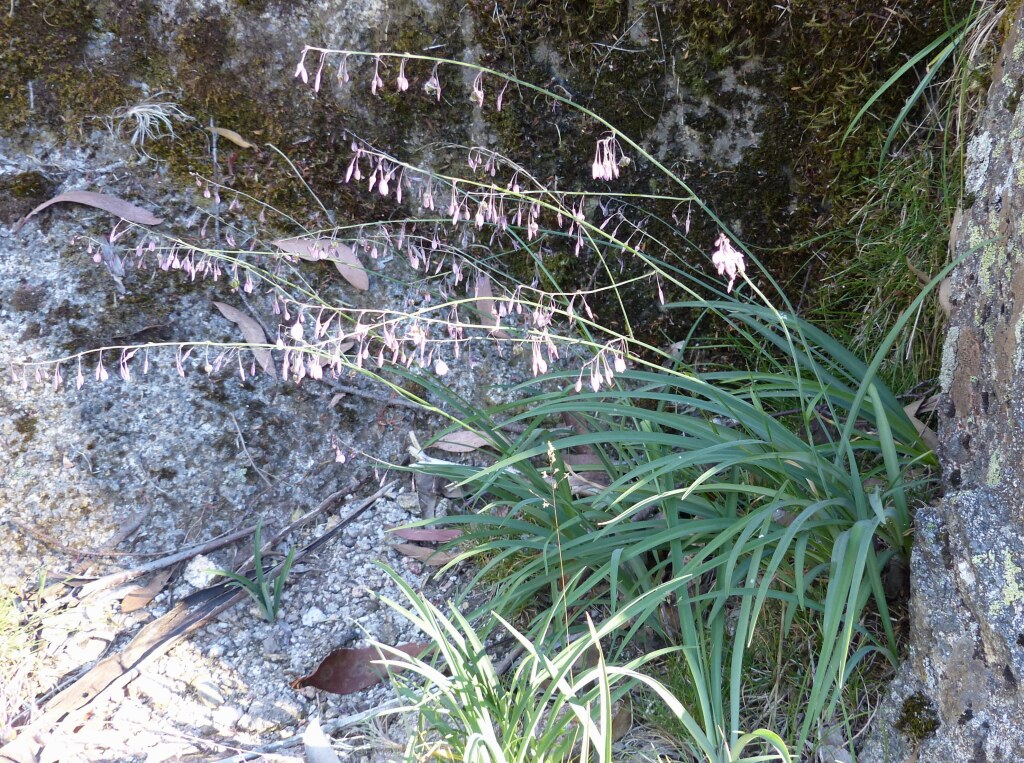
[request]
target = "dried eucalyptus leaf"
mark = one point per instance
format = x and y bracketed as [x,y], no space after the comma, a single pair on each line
[232,136]
[253,334]
[426,555]
[104,201]
[484,298]
[462,441]
[342,255]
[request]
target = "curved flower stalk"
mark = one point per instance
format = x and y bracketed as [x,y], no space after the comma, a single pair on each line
[609,154]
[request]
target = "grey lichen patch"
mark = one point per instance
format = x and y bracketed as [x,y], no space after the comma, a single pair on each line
[948,367]
[995,469]
[737,108]
[979,150]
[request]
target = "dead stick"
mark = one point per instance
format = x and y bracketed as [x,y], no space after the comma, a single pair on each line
[329,727]
[118,578]
[322,506]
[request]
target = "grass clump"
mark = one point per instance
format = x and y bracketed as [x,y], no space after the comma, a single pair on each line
[263,587]
[149,120]
[900,236]
[893,226]
[552,704]
[704,489]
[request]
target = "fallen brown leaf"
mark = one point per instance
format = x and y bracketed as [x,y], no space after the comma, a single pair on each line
[104,201]
[342,255]
[345,671]
[426,534]
[252,333]
[426,555]
[484,298]
[139,596]
[462,441]
[922,277]
[233,136]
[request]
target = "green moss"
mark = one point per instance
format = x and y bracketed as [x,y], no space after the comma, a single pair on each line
[26,426]
[27,185]
[45,55]
[47,79]
[1008,17]
[20,192]
[918,717]
[814,65]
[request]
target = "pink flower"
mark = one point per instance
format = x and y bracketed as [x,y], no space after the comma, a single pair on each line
[606,159]
[433,85]
[319,71]
[728,259]
[478,90]
[403,81]
[377,81]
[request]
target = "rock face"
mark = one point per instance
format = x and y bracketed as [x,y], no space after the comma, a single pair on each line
[745,100]
[959,697]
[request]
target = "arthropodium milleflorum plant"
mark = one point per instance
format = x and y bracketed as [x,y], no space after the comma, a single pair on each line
[792,482]
[265,592]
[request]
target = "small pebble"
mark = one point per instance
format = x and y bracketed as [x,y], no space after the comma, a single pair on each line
[227,716]
[408,501]
[209,694]
[199,572]
[313,616]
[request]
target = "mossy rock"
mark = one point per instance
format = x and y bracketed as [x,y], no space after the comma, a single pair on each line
[681,79]
[20,193]
[918,717]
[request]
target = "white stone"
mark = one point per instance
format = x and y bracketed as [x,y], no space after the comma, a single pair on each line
[200,572]
[313,616]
